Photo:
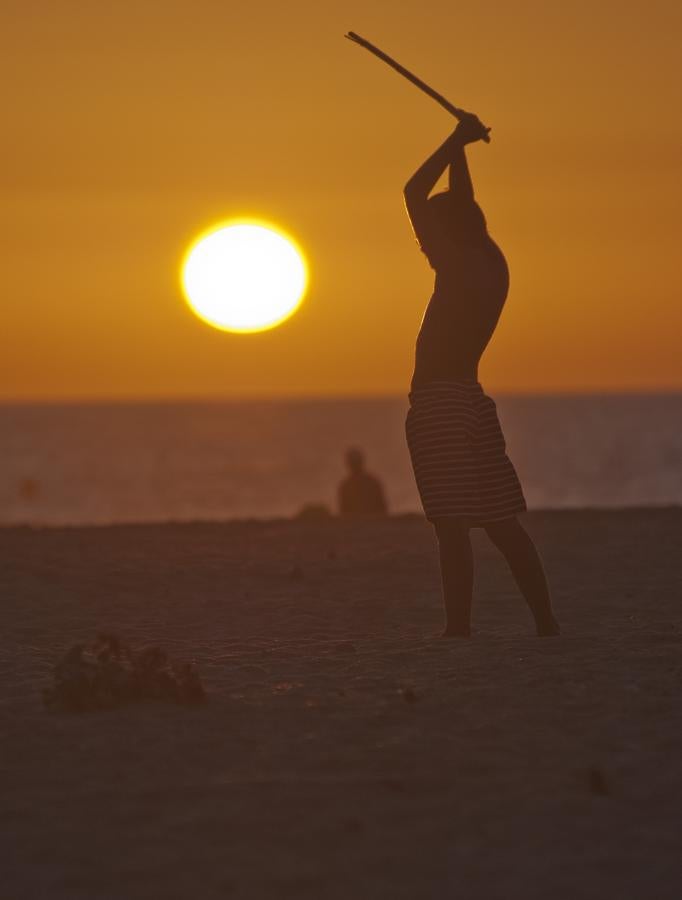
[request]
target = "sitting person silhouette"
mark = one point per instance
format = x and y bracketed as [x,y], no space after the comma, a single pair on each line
[360,494]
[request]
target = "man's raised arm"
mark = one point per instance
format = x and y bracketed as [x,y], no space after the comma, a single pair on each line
[470,129]
[420,185]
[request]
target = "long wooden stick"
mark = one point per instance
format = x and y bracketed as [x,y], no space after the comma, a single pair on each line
[439,98]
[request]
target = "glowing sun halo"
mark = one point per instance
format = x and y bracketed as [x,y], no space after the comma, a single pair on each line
[244,276]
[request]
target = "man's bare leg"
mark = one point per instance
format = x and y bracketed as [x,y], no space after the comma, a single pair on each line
[517,547]
[457,574]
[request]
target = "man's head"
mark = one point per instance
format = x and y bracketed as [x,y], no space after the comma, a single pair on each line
[355,460]
[461,221]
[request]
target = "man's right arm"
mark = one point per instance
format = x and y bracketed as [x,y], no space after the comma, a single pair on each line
[420,185]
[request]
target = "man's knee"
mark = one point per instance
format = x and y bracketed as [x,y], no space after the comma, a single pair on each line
[504,532]
[452,528]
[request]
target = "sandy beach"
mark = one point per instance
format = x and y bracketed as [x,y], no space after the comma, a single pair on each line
[346,751]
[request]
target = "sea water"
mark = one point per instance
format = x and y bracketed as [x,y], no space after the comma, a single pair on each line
[104,463]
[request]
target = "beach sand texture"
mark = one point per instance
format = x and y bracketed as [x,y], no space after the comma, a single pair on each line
[345,751]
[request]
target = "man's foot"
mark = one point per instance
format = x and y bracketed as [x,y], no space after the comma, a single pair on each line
[548,629]
[456,633]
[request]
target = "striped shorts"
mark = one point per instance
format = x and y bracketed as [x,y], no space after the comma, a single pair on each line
[458,454]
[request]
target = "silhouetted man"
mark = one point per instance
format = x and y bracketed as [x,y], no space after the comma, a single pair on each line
[464,476]
[360,494]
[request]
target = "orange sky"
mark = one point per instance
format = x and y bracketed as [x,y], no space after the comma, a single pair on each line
[129,127]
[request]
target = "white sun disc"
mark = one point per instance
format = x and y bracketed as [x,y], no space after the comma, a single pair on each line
[244,277]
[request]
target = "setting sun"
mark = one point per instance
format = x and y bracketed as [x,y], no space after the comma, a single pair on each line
[244,276]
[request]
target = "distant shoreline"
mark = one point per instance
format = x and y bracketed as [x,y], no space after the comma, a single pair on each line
[256,521]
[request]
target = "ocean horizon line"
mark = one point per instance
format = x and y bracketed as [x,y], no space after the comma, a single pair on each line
[219,399]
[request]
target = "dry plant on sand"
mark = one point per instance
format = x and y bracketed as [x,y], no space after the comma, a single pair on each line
[107,673]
